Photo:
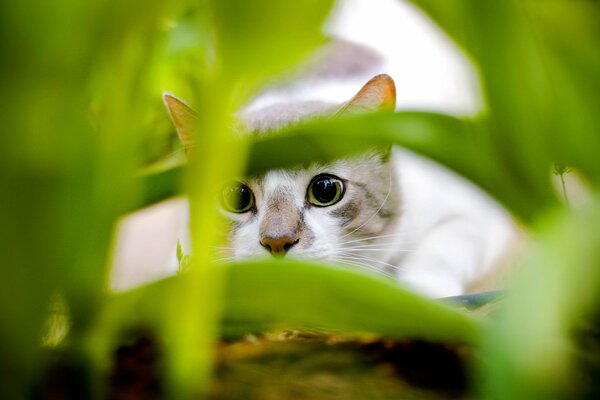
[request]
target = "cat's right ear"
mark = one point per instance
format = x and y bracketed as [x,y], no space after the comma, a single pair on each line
[184,118]
[379,94]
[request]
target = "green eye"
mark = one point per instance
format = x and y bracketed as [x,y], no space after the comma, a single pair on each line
[237,198]
[325,190]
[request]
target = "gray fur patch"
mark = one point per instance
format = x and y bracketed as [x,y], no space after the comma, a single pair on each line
[348,212]
[279,116]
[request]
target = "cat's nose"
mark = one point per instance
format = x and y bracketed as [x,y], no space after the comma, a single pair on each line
[278,246]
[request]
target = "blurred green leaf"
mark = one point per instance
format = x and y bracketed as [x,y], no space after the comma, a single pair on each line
[245,42]
[457,143]
[160,185]
[540,68]
[67,174]
[535,347]
[516,84]
[270,293]
[266,294]
[260,38]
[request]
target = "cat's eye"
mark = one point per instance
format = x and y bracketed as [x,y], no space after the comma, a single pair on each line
[325,190]
[237,198]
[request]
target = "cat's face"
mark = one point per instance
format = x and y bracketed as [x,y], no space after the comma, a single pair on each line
[316,212]
[325,211]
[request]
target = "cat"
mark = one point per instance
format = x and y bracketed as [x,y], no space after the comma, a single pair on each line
[388,210]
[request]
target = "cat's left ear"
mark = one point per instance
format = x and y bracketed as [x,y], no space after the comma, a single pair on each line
[184,118]
[379,94]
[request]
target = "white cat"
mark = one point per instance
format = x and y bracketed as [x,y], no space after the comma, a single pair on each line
[388,210]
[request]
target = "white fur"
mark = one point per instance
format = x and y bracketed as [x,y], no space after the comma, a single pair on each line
[245,241]
[460,234]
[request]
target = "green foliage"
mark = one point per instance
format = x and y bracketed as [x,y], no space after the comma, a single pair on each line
[545,333]
[268,294]
[82,88]
[259,38]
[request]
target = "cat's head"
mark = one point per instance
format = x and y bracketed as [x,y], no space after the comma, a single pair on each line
[327,211]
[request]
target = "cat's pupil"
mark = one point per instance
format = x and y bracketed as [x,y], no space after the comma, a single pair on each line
[237,198]
[325,190]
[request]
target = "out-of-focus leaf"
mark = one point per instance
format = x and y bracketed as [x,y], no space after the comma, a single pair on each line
[570,35]
[244,42]
[539,64]
[71,121]
[533,349]
[265,294]
[160,184]
[269,293]
[459,144]
[462,145]
[257,39]
[326,140]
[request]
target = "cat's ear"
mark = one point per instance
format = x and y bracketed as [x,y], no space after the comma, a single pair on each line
[184,118]
[378,94]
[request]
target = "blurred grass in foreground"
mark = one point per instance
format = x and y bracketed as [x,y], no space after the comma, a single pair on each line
[82,86]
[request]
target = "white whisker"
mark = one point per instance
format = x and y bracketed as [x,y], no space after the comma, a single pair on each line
[362,262]
[378,249]
[374,260]
[392,246]
[367,267]
[372,238]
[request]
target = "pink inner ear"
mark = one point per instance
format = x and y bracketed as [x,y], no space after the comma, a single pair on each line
[377,94]
[183,117]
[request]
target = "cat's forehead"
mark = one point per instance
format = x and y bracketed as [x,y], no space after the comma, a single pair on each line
[282,180]
[278,116]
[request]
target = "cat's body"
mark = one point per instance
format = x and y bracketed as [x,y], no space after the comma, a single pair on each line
[388,211]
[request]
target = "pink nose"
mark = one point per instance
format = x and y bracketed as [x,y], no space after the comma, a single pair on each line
[278,246]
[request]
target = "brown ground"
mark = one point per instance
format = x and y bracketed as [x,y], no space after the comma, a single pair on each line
[297,365]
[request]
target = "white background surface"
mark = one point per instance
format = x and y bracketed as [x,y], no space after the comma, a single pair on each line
[430,71]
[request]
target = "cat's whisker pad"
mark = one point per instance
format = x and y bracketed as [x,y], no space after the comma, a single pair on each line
[374,260]
[374,238]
